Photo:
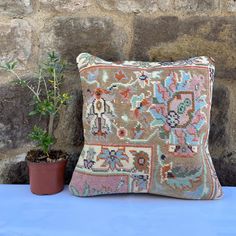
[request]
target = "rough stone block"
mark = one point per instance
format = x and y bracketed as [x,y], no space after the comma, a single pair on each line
[230,5]
[13,168]
[226,169]
[222,137]
[16,41]
[73,35]
[136,6]
[171,38]
[201,6]
[16,7]
[15,123]
[65,5]
[69,130]
[219,138]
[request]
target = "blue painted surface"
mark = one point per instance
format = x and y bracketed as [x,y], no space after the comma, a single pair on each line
[25,214]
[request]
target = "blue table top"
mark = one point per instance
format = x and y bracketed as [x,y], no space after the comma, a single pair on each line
[25,214]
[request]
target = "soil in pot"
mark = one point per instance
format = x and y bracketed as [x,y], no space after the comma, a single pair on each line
[46,173]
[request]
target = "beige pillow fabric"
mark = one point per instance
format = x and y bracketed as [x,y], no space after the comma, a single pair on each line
[146,127]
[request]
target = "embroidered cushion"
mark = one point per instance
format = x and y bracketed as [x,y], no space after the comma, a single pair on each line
[146,127]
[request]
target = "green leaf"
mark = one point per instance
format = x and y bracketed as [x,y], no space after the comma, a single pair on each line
[13,65]
[32,113]
[42,139]
[10,65]
[21,82]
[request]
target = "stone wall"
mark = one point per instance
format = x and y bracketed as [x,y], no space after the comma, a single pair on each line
[114,30]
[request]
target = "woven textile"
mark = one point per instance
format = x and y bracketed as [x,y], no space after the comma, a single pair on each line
[146,127]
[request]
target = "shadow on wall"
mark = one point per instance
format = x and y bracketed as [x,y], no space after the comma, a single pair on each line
[163,38]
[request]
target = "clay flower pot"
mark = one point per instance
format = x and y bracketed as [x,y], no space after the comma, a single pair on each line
[46,178]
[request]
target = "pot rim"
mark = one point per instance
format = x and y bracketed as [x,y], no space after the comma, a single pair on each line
[46,163]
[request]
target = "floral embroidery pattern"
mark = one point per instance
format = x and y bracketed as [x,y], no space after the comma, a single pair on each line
[177,109]
[112,158]
[89,160]
[143,78]
[139,183]
[172,119]
[141,161]
[122,132]
[146,127]
[99,112]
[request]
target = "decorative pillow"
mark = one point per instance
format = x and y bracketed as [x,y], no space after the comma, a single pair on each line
[146,127]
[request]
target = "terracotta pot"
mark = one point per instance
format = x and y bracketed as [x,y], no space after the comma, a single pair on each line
[46,178]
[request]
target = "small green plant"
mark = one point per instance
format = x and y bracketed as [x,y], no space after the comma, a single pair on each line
[46,95]
[42,138]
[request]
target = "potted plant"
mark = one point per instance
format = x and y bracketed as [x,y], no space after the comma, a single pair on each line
[46,166]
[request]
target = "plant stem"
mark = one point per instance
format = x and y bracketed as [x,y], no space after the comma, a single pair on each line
[28,86]
[50,125]
[54,86]
[39,83]
[46,88]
